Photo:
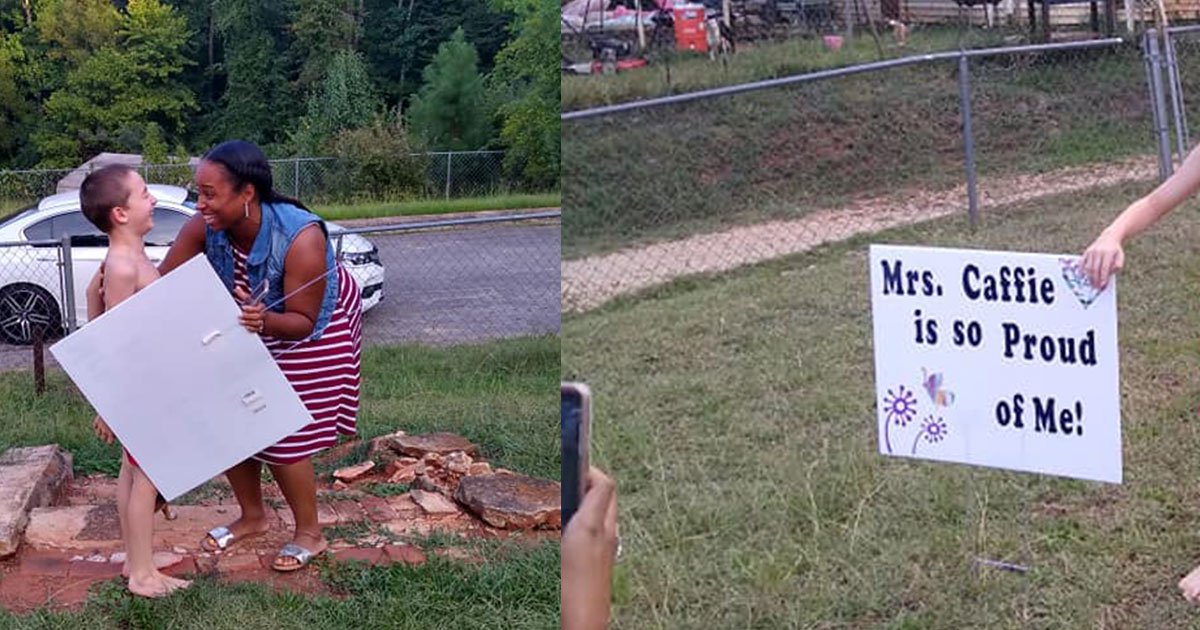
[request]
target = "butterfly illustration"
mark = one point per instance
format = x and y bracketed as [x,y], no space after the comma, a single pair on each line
[933,386]
[1078,282]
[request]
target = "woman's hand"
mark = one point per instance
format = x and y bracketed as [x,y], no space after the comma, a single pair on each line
[254,314]
[1103,258]
[102,431]
[589,547]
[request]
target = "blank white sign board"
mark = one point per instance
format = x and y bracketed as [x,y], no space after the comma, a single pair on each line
[184,387]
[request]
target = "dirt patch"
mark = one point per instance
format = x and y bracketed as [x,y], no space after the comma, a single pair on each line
[71,547]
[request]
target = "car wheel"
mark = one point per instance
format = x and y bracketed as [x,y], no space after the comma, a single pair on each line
[25,308]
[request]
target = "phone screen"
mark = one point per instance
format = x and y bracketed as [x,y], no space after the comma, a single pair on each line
[572,419]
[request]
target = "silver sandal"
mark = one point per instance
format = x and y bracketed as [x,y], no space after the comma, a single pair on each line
[292,550]
[221,535]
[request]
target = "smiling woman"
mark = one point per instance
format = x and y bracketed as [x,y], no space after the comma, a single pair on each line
[307,309]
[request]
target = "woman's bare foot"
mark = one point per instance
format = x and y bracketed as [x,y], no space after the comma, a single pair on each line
[155,584]
[242,528]
[162,560]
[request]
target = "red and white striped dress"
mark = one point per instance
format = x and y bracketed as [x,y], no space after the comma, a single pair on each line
[325,373]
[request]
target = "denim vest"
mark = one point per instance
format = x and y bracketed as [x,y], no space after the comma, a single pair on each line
[281,222]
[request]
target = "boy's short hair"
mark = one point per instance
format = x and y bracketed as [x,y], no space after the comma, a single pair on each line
[103,190]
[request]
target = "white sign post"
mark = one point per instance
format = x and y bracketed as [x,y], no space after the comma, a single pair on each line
[998,359]
[184,387]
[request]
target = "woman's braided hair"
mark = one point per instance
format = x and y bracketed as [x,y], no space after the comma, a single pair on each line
[247,164]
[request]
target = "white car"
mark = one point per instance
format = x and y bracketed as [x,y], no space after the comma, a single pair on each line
[31,278]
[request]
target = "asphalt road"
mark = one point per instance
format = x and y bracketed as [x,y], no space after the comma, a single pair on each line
[450,286]
[467,285]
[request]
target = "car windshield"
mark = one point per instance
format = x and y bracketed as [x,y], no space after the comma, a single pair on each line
[190,200]
[12,216]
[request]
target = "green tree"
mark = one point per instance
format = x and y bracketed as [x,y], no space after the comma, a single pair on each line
[257,104]
[449,112]
[346,99]
[75,29]
[111,95]
[15,15]
[378,161]
[154,148]
[322,28]
[153,34]
[205,76]
[528,68]
[15,105]
[401,37]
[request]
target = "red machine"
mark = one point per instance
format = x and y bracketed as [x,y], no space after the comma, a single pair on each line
[689,28]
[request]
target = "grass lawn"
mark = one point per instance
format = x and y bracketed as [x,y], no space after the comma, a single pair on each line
[499,395]
[437,206]
[737,415]
[519,591]
[678,170]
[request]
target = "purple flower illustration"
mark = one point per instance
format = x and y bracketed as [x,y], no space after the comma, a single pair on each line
[932,429]
[901,407]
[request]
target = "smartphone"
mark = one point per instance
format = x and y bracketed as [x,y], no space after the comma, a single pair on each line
[576,420]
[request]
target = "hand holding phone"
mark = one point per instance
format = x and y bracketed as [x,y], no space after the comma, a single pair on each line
[589,547]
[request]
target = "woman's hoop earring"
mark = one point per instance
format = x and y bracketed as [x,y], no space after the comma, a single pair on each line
[246,207]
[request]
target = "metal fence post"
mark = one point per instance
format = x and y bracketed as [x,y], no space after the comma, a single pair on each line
[296,179]
[1158,105]
[449,156]
[964,96]
[1172,62]
[68,277]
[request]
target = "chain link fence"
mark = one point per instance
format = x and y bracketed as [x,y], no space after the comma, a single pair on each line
[457,281]
[1180,69]
[445,175]
[429,282]
[709,181]
[34,295]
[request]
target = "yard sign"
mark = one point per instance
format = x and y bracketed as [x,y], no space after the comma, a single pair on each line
[997,359]
[184,387]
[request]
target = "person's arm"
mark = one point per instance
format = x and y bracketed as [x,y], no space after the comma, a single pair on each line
[1106,255]
[305,261]
[188,243]
[95,299]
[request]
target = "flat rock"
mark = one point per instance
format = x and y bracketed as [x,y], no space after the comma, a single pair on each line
[81,527]
[432,483]
[350,473]
[380,449]
[512,501]
[439,443]
[402,473]
[480,468]
[458,462]
[434,503]
[30,477]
